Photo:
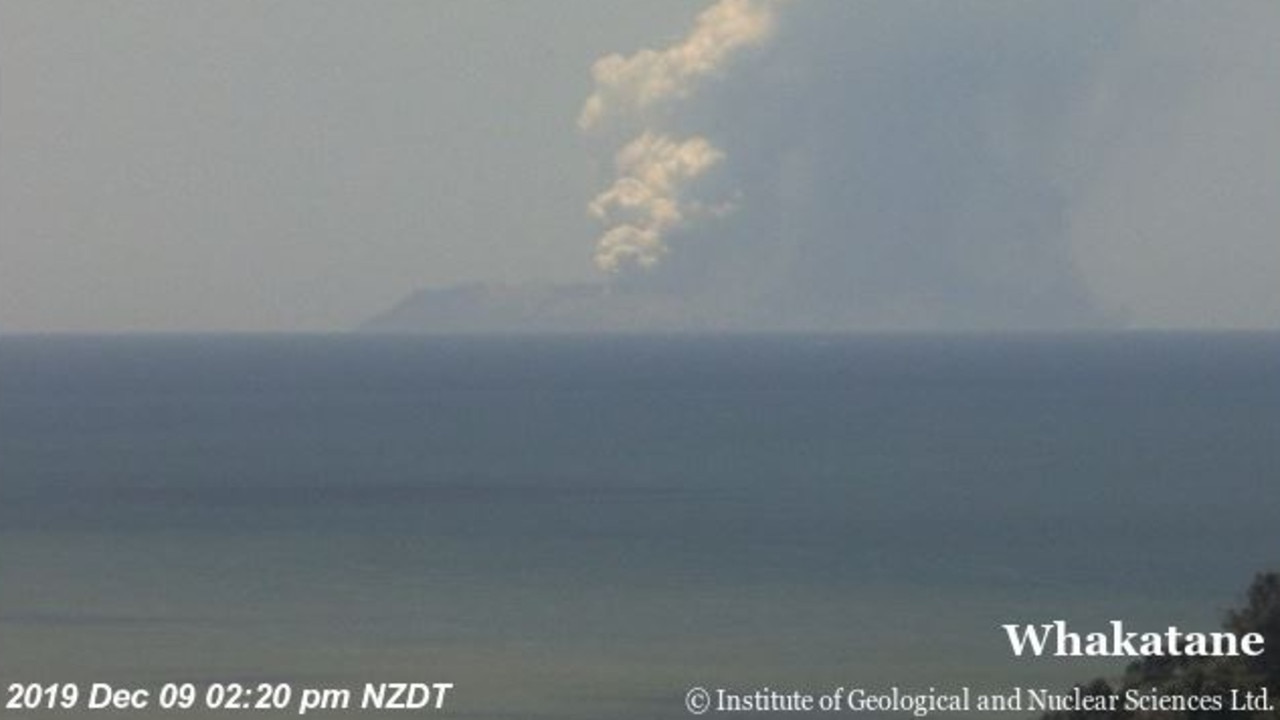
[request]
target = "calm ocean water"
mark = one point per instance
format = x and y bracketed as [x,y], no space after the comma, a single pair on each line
[586,528]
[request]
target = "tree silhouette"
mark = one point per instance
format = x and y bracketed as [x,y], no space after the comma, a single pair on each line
[1206,676]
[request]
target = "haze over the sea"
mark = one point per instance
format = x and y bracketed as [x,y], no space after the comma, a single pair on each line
[729,165]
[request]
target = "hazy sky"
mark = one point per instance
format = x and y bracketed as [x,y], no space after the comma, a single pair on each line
[292,165]
[304,165]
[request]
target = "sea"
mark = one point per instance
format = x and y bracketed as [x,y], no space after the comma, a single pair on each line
[594,527]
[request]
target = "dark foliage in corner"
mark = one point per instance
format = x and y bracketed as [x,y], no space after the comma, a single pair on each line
[1186,676]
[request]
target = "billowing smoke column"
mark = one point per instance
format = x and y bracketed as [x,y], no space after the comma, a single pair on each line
[835,165]
[655,172]
[828,164]
[645,203]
